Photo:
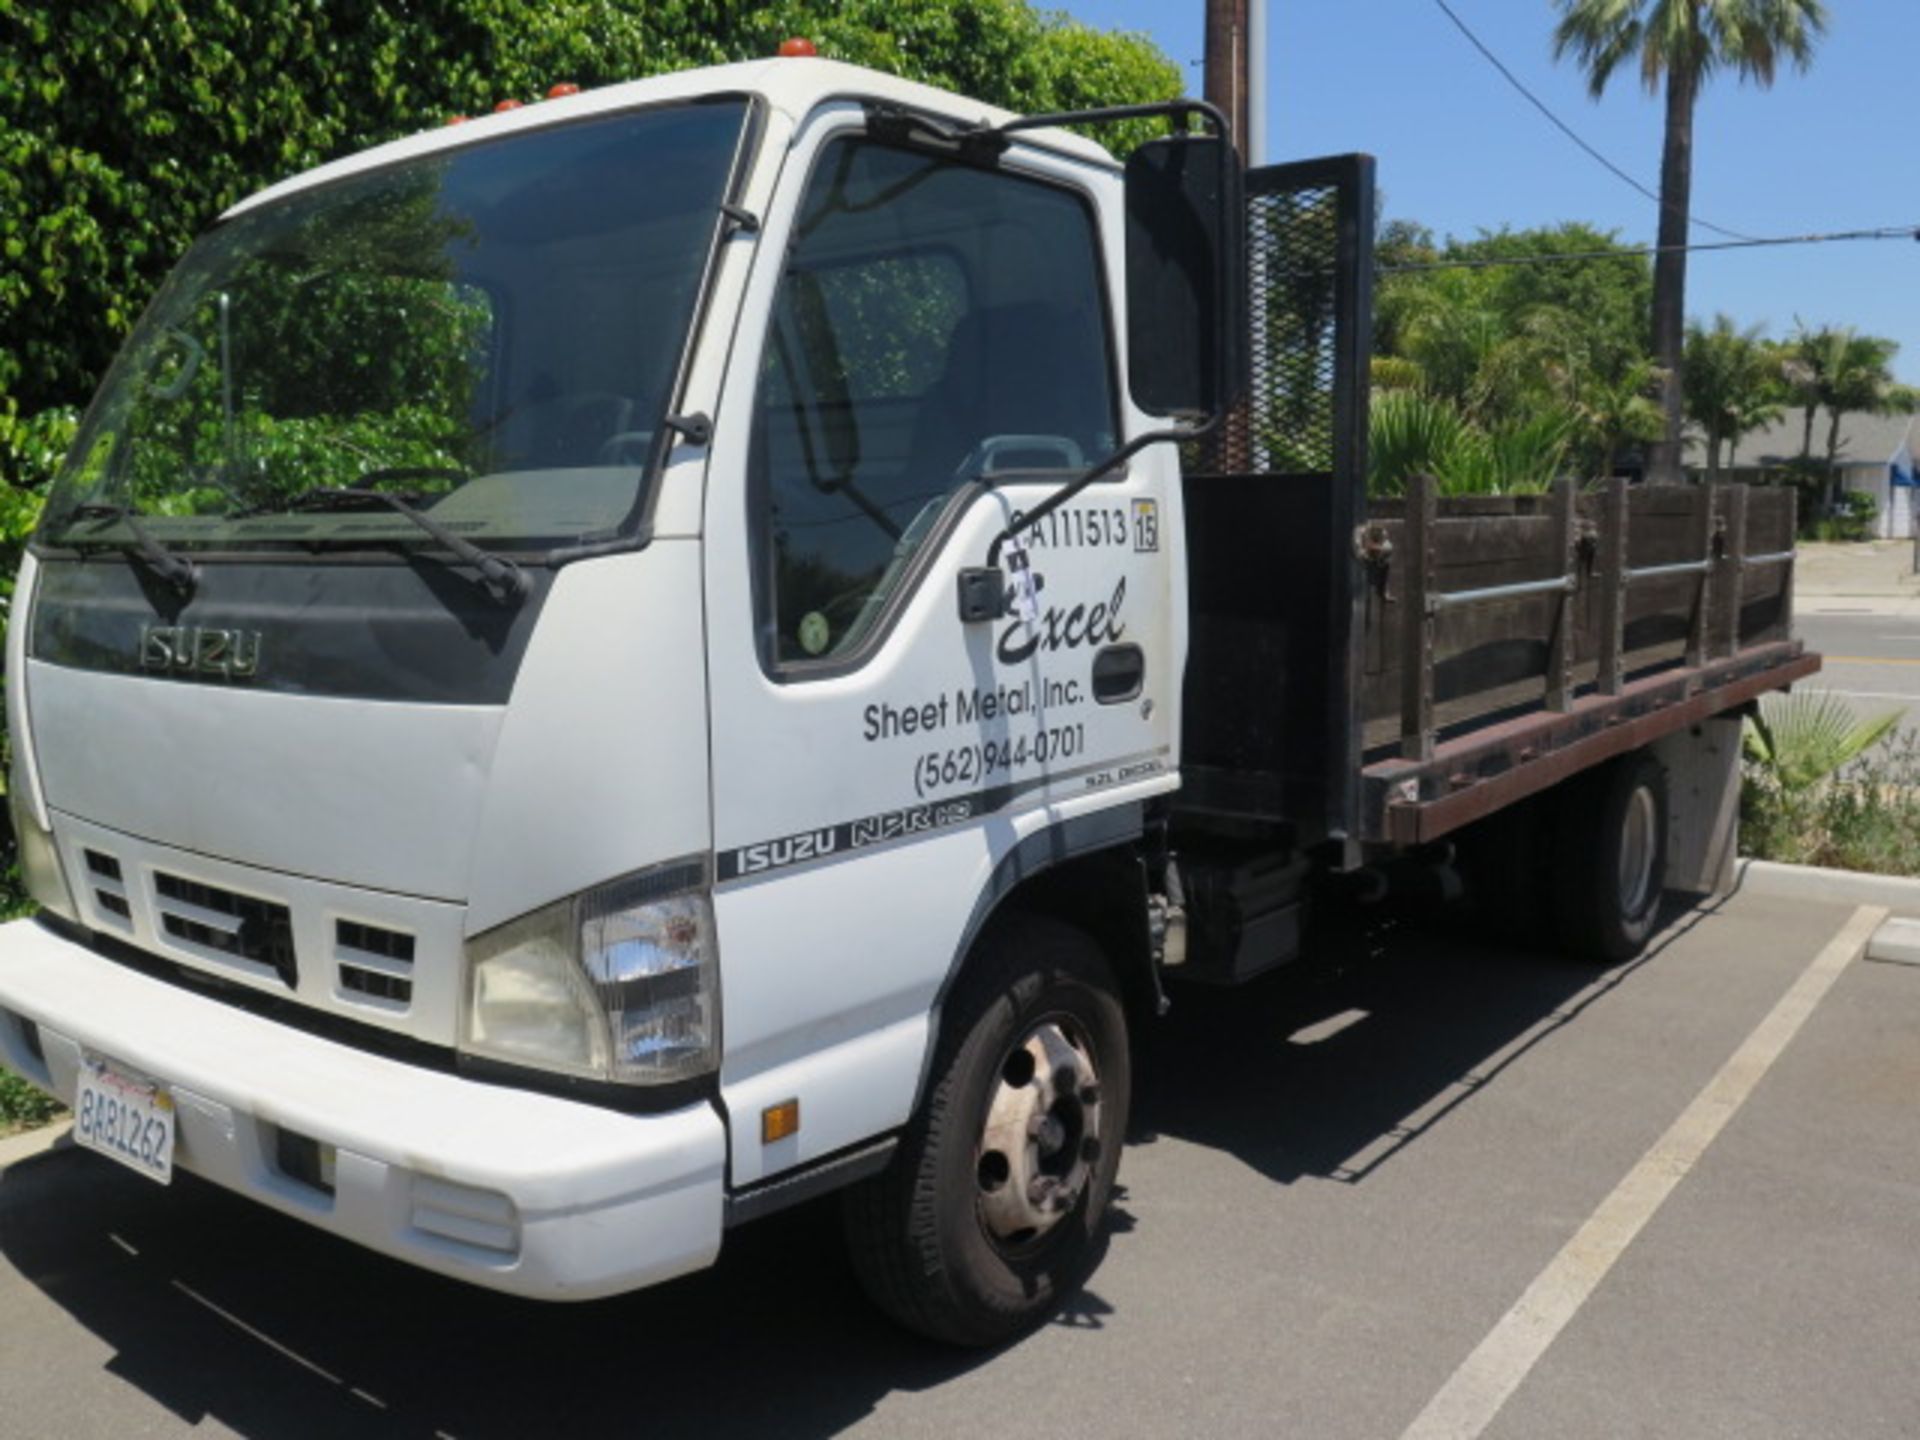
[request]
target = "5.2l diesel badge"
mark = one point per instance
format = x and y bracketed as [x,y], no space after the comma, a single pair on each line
[198,650]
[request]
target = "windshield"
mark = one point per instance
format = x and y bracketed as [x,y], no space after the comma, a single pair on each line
[492,335]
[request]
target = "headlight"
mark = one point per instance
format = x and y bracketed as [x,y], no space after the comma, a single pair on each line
[618,983]
[40,865]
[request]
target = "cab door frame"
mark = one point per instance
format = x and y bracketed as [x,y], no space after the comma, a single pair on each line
[840,918]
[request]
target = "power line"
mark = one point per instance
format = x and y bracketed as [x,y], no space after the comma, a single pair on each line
[1885,232]
[1567,130]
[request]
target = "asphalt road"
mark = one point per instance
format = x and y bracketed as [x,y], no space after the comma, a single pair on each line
[1872,659]
[1331,1199]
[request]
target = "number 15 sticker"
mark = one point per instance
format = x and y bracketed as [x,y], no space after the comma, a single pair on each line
[1146,526]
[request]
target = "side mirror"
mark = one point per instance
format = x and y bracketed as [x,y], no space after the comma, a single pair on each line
[1185,276]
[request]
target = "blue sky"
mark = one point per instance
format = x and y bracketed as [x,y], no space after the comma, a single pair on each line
[1837,148]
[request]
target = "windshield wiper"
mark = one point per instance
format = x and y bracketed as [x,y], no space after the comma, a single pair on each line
[178,571]
[504,580]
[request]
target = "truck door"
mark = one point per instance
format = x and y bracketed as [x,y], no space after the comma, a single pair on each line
[928,345]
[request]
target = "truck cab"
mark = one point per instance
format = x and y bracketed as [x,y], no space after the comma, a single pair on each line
[500,733]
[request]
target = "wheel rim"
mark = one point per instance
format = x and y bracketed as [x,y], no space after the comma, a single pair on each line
[1041,1137]
[1639,843]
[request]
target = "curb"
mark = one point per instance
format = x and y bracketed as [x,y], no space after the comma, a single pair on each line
[1898,893]
[16,1148]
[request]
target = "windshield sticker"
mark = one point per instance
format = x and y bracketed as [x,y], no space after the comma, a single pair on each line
[815,633]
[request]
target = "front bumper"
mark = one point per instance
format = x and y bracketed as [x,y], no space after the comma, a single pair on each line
[515,1191]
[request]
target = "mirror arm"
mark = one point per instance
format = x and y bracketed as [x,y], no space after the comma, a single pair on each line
[1177,434]
[1177,110]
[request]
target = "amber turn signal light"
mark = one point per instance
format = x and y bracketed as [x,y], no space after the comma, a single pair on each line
[777,1122]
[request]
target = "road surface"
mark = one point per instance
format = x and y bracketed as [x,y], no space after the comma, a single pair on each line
[1334,1207]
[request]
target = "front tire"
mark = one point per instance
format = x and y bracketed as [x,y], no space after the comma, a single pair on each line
[991,1212]
[1611,867]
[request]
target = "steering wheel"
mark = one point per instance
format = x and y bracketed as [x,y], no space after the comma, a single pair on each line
[985,459]
[625,447]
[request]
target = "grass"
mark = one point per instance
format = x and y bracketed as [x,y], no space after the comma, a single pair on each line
[21,1106]
[1866,817]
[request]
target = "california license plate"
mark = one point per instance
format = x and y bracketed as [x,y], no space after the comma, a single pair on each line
[125,1117]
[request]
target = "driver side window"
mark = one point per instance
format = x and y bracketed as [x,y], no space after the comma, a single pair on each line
[937,323]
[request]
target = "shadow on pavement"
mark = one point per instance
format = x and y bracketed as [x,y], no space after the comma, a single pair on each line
[219,1309]
[1331,1079]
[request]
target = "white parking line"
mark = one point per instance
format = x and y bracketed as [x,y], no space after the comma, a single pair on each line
[1474,1393]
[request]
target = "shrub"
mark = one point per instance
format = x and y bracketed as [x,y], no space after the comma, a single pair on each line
[1863,816]
[22,1105]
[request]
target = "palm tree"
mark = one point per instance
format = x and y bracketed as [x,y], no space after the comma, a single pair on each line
[1732,385]
[1682,42]
[1616,412]
[1801,360]
[1858,380]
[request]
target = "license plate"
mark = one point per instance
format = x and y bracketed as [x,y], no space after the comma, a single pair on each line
[125,1118]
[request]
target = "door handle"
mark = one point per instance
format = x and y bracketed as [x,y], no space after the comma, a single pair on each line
[1118,673]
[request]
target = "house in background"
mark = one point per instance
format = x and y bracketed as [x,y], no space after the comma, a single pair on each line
[1877,457]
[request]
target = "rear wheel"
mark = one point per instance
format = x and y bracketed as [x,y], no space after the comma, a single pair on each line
[1611,863]
[991,1212]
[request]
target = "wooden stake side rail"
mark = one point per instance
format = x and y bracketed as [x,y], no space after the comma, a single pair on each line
[1413,801]
[1478,605]
[1643,610]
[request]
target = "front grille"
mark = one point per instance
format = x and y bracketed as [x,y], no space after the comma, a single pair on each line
[110,899]
[374,962]
[219,920]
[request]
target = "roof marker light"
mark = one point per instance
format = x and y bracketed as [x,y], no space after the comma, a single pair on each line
[457,119]
[565,87]
[506,105]
[797,46]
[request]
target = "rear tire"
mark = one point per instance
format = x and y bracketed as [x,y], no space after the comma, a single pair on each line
[1611,859]
[991,1211]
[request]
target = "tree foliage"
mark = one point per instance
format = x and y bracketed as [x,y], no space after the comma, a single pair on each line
[127,126]
[1840,370]
[1733,384]
[1681,43]
[1551,356]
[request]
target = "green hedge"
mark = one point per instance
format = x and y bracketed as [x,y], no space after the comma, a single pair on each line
[126,126]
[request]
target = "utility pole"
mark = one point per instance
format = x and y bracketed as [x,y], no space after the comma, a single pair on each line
[1227,64]
[1233,27]
[1256,141]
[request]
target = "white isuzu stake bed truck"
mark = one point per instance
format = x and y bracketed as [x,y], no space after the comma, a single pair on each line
[604,670]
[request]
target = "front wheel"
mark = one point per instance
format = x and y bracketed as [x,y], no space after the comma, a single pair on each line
[1611,862]
[990,1213]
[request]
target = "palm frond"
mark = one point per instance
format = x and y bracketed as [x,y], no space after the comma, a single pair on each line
[1807,737]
